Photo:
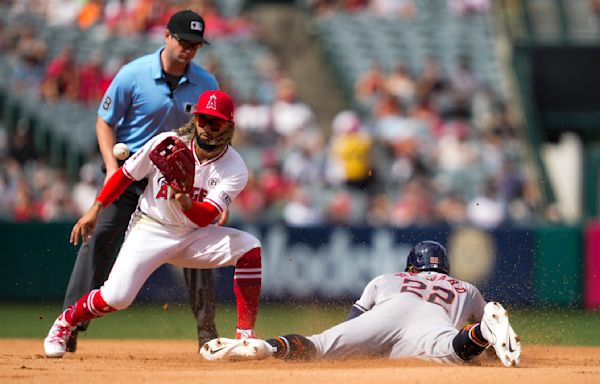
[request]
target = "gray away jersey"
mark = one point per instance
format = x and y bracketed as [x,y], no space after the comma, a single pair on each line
[405,315]
[461,300]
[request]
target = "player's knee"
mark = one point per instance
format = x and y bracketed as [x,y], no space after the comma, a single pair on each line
[249,241]
[248,269]
[118,301]
[250,259]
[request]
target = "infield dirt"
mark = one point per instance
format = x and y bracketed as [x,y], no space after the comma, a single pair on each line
[133,361]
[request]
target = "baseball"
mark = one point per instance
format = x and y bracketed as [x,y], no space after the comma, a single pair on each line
[121,151]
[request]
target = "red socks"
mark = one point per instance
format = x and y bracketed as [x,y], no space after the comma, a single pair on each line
[90,306]
[246,286]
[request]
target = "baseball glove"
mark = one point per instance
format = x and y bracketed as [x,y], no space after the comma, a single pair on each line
[176,162]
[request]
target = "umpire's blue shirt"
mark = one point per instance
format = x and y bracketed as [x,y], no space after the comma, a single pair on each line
[140,104]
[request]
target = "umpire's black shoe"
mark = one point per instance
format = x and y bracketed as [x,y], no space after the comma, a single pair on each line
[72,342]
[206,336]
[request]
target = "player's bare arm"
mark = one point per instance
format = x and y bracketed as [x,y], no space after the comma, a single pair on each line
[223,217]
[106,141]
[113,188]
[86,224]
[184,200]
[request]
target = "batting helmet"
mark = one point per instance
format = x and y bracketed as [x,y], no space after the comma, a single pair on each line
[428,256]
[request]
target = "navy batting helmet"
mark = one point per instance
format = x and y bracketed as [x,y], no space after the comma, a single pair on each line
[428,256]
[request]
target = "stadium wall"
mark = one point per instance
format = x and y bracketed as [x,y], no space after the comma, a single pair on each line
[521,266]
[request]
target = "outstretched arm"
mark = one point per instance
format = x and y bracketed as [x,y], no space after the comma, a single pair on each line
[113,188]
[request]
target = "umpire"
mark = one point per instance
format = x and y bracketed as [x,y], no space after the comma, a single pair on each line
[152,94]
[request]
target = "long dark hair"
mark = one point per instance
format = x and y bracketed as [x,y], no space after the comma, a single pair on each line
[187,131]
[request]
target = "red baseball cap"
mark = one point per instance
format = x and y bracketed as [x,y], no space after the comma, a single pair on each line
[215,103]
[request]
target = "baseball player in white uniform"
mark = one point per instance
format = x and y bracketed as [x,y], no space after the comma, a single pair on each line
[419,313]
[173,227]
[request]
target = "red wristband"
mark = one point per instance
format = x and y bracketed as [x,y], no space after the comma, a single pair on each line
[202,213]
[114,187]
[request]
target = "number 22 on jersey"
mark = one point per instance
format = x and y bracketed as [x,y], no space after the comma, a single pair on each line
[430,292]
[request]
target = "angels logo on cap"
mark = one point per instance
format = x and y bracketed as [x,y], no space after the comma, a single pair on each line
[215,103]
[212,102]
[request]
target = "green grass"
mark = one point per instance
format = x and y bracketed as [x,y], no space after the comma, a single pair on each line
[145,321]
[566,327]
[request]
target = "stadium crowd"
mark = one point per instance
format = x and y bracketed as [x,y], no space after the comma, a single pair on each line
[416,149]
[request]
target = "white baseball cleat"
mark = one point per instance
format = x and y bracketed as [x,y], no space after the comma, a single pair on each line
[55,344]
[497,331]
[235,350]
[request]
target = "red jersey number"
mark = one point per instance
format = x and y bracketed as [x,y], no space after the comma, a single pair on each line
[439,296]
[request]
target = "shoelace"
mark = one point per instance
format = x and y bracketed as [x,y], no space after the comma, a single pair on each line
[60,333]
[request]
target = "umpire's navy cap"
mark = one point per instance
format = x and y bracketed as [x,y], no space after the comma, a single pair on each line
[188,25]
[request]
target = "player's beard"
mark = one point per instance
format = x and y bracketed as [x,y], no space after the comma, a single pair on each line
[214,145]
[210,145]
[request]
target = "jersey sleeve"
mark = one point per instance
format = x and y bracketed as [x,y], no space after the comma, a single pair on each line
[117,97]
[228,189]
[139,165]
[476,303]
[367,299]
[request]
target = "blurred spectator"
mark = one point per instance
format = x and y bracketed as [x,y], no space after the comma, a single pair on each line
[21,145]
[463,80]
[92,80]
[339,209]
[414,207]
[253,124]
[468,7]
[350,160]
[61,78]
[370,84]
[271,181]
[216,25]
[404,9]
[430,81]
[452,209]
[57,12]
[300,210]
[400,84]
[31,51]
[486,210]
[378,210]
[290,115]
[23,206]
[86,188]
[485,108]
[251,203]
[303,167]
[55,203]
[524,210]
[386,105]
[90,14]
[454,150]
